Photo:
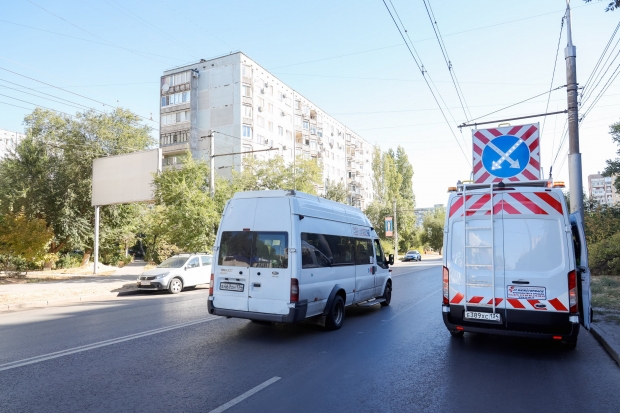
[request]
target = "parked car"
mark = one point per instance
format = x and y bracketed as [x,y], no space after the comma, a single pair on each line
[177,272]
[412,256]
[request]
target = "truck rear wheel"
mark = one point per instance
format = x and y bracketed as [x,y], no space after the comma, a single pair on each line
[333,320]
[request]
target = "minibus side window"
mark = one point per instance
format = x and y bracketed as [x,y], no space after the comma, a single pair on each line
[235,248]
[379,257]
[330,250]
[363,251]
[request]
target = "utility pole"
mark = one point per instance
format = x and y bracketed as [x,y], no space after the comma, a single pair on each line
[212,164]
[395,234]
[574,157]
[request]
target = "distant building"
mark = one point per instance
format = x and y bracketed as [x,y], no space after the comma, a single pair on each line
[251,110]
[602,189]
[421,212]
[8,141]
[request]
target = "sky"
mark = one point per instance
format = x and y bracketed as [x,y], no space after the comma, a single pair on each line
[345,56]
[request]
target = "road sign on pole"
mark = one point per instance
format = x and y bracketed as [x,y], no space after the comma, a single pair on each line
[389,226]
[508,153]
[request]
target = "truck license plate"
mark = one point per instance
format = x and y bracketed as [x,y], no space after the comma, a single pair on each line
[231,287]
[478,316]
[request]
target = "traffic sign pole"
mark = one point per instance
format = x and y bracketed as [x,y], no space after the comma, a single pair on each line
[574,157]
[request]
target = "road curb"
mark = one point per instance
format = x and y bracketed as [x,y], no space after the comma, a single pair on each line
[600,336]
[76,299]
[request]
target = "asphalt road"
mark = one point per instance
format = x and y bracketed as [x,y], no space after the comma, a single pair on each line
[163,353]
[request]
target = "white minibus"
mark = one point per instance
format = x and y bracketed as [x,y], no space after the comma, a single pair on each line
[285,256]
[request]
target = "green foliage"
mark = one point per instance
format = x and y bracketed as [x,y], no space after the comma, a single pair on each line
[305,175]
[189,216]
[336,192]
[69,260]
[611,6]
[21,237]
[601,221]
[613,165]
[432,232]
[604,256]
[49,174]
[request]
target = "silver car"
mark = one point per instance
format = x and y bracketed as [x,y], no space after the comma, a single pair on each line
[177,272]
[412,256]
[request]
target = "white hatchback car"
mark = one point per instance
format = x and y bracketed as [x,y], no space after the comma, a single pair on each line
[177,272]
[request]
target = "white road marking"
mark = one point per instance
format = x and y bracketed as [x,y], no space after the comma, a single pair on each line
[245,395]
[49,356]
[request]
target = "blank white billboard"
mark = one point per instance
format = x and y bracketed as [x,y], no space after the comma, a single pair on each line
[126,178]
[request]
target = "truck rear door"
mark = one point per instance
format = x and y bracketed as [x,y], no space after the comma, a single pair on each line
[583,270]
[536,259]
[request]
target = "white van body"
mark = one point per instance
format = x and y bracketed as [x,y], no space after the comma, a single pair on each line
[284,256]
[509,263]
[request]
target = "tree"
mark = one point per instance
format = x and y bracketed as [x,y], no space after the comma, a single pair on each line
[613,165]
[23,238]
[336,192]
[611,6]
[432,229]
[188,216]
[305,175]
[48,176]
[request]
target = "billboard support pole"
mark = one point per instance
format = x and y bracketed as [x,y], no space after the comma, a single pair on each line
[96,246]
[395,234]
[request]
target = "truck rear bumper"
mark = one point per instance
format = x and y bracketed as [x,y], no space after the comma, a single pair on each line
[295,315]
[527,324]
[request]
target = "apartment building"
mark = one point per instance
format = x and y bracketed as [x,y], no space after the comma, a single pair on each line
[250,109]
[602,189]
[8,141]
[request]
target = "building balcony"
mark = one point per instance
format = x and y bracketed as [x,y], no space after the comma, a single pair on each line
[175,148]
[246,79]
[247,121]
[246,100]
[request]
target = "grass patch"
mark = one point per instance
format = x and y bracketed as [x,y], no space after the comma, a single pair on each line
[606,292]
[8,281]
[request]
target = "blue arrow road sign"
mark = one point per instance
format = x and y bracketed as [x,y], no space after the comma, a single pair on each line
[505,156]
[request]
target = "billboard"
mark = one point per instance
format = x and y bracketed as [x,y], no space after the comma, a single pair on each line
[125,178]
[389,227]
[510,153]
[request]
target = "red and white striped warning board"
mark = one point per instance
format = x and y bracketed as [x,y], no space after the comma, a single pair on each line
[508,202]
[510,153]
[558,304]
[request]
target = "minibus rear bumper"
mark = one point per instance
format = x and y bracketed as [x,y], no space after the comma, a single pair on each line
[295,314]
[532,324]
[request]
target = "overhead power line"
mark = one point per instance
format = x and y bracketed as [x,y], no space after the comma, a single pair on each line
[600,59]
[68,91]
[444,52]
[555,63]
[422,71]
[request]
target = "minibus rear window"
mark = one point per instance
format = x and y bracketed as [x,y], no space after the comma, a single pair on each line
[253,249]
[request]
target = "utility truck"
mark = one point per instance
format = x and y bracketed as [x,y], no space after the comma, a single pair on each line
[515,262]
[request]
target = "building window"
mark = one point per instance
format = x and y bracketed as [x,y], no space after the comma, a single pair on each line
[306,125]
[298,104]
[270,126]
[305,110]
[313,129]
[247,111]
[260,139]
[175,99]
[261,102]
[270,90]
[176,79]
[297,120]
[270,107]
[247,148]
[246,70]
[280,131]
[247,132]
[289,135]
[319,132]
[261,121]
[313,145]
[246,90]
[177,117]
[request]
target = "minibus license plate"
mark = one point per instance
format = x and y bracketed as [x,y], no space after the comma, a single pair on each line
[231,287]
[145,283]
[478,316]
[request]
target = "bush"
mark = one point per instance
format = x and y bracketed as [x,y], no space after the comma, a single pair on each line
[15,267]
[69,260]
[605,256]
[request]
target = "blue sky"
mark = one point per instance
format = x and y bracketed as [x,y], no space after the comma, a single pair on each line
[346,56]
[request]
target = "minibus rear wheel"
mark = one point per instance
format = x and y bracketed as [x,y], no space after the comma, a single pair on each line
[333,320]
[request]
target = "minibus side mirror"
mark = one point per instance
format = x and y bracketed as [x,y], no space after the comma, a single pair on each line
[391,260]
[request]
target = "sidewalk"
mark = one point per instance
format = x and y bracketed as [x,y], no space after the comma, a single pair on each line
[88,287]
[608,334]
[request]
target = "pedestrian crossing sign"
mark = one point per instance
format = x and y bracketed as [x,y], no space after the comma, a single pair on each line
[510,153]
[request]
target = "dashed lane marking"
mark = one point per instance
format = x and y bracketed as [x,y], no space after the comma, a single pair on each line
[245,395]
[62,353]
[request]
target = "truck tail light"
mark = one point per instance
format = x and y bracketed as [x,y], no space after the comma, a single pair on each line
[294,290]
[572,291]
[211,285]
[446,286]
